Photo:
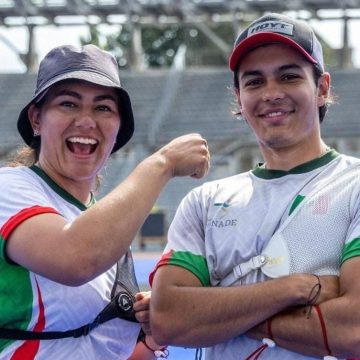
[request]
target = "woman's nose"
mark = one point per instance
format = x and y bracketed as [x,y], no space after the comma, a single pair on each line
[85,119]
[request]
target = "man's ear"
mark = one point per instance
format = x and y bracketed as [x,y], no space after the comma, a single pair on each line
[34,117]
[323,86]
[237,94]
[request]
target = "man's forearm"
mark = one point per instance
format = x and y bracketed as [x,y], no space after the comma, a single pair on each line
[296,331]
[213,315]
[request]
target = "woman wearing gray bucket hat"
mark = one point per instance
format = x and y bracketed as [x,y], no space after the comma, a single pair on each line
[66,266]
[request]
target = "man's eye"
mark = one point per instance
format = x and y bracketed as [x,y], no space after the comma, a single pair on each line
[253,82]
[290,77]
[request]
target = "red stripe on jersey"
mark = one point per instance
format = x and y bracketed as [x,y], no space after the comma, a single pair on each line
[29,349]
[21,216]
[163,261]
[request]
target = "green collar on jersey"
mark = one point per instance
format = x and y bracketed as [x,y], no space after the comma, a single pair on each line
[269,174]
[60,191]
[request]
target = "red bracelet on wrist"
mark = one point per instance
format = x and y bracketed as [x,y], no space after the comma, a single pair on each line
[323,329]
[159,353]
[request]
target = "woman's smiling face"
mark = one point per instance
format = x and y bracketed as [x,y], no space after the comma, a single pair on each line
[78,123]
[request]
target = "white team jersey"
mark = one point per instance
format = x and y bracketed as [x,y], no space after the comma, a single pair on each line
[33,302]
[227,222]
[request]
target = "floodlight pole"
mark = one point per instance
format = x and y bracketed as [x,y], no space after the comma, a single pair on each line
[345,53]
[136,50]
[30,59]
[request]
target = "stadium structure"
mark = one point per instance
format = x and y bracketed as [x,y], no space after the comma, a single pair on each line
[174,101]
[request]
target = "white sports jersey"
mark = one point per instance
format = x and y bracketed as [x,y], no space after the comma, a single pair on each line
[31,302]
[227,222]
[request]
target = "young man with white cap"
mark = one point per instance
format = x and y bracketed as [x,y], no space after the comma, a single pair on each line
[262,264]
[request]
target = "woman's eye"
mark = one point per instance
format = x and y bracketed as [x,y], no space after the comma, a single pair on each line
[103,108]
[68,104]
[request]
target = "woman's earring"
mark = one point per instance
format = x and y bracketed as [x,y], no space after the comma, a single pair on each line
[36,133]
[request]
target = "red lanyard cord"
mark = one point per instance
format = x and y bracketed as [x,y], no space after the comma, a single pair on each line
[267,342]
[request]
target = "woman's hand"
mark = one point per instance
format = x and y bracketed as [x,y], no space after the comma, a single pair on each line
[142,310]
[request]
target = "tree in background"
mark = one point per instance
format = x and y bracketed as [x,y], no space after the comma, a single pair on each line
[160,44]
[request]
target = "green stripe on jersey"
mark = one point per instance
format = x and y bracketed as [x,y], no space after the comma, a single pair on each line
[269,174]
[2,249]
[350,250]
[296,202]
[16,300]
[195,263]
[60,191]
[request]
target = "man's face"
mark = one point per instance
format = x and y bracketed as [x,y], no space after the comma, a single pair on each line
[279,98]
[78,124]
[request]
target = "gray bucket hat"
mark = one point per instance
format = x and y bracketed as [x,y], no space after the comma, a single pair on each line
[89,63]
